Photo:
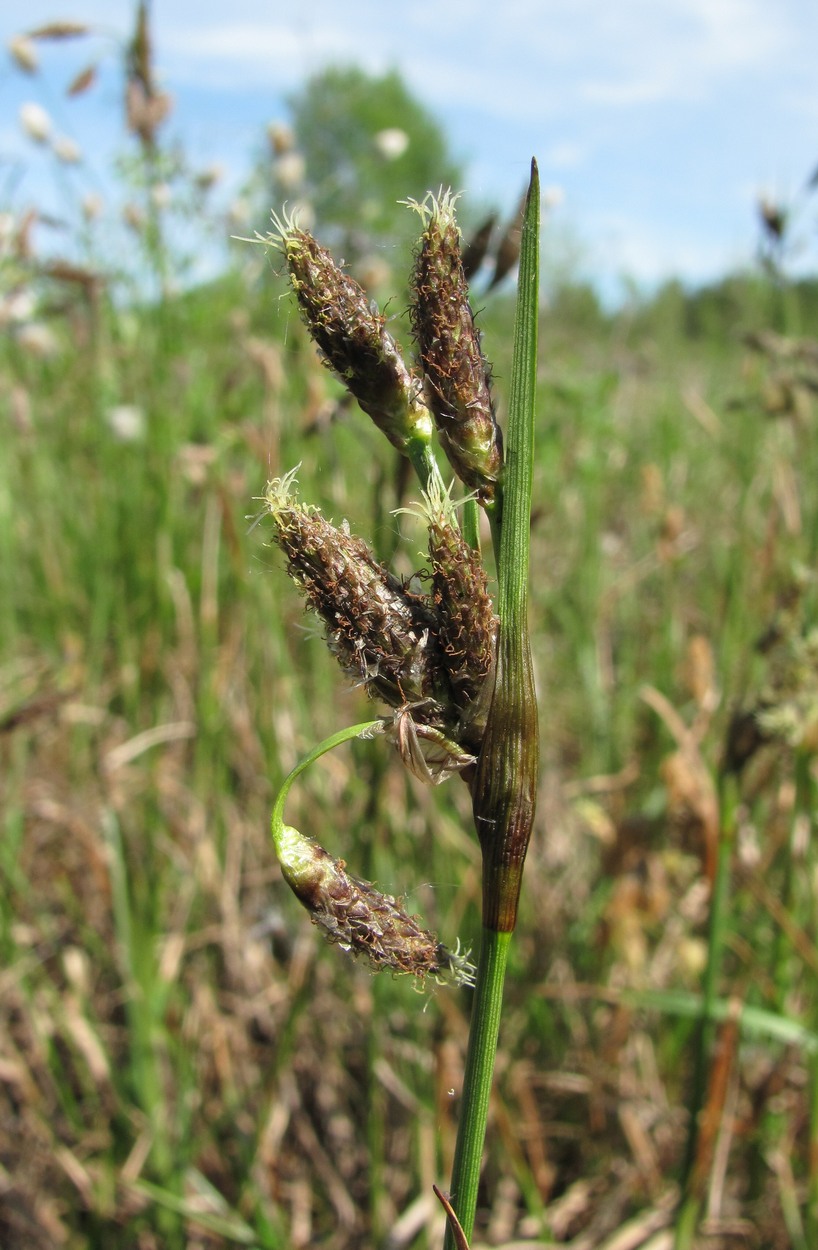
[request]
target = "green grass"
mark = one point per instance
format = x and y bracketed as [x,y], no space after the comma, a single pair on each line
[182,1061]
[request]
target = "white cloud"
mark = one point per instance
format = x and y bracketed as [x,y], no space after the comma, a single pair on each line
[523,57]
[681,49]
[737,34]
[254,54]
[628,92]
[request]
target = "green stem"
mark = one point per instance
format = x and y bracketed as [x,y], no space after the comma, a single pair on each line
[812,1155]
[471,524]
[423,462]
[806,805]
[484,1029]
[364,730]
[505,782]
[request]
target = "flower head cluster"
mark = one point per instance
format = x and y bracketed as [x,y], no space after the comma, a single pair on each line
[353,338]
[450,392]
[426,656]
[426,647]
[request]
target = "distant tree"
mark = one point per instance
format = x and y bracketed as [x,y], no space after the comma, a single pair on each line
[366,143]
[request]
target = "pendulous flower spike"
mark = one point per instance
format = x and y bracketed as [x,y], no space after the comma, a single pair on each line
[360,919]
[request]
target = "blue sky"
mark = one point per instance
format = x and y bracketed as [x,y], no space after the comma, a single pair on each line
[661,121]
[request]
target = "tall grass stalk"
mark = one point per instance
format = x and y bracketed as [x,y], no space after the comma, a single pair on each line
[438,660]
[805,805]
[503,803]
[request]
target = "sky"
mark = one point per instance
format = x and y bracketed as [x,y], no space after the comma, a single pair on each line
[657,124]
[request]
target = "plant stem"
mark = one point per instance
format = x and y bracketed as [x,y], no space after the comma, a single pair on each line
[806,806]
[471,524]
[423,462]
[505,783]
[484,1029]
[363,730]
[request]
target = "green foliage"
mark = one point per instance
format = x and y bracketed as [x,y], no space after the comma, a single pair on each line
[180,1062]
[134,601]
[721,311]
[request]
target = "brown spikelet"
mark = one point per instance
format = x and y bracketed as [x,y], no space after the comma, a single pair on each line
[60,30]
[773,219]
[476,250]
[84,80]
[456,374]
[146,107]
[359,918]
[380,632]
[467,626]
[353,338]
[467,621]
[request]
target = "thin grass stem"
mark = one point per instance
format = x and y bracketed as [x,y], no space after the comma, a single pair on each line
[504,789]
[484,1029]
[471,523]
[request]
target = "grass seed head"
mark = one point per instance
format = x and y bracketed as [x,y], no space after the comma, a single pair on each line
[457,375]
[380,632]
[427,657]
[467,625]
[353,337]
[360,919]
[24,54]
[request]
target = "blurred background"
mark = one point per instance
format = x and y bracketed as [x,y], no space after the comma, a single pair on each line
[657,129]
[183,1062]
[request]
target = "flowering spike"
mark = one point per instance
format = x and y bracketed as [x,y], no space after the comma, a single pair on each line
[467,627]
[380,632]
[353,338]
[359,918]
[457,375]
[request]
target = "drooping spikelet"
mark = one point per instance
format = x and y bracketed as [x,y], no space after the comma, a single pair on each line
[456,374]
[476,250]
[353,338]
[359,918]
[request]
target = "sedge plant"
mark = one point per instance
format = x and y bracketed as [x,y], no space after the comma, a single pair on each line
[451,663]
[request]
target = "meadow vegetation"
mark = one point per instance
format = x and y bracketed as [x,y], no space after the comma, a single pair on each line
[182,1062]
